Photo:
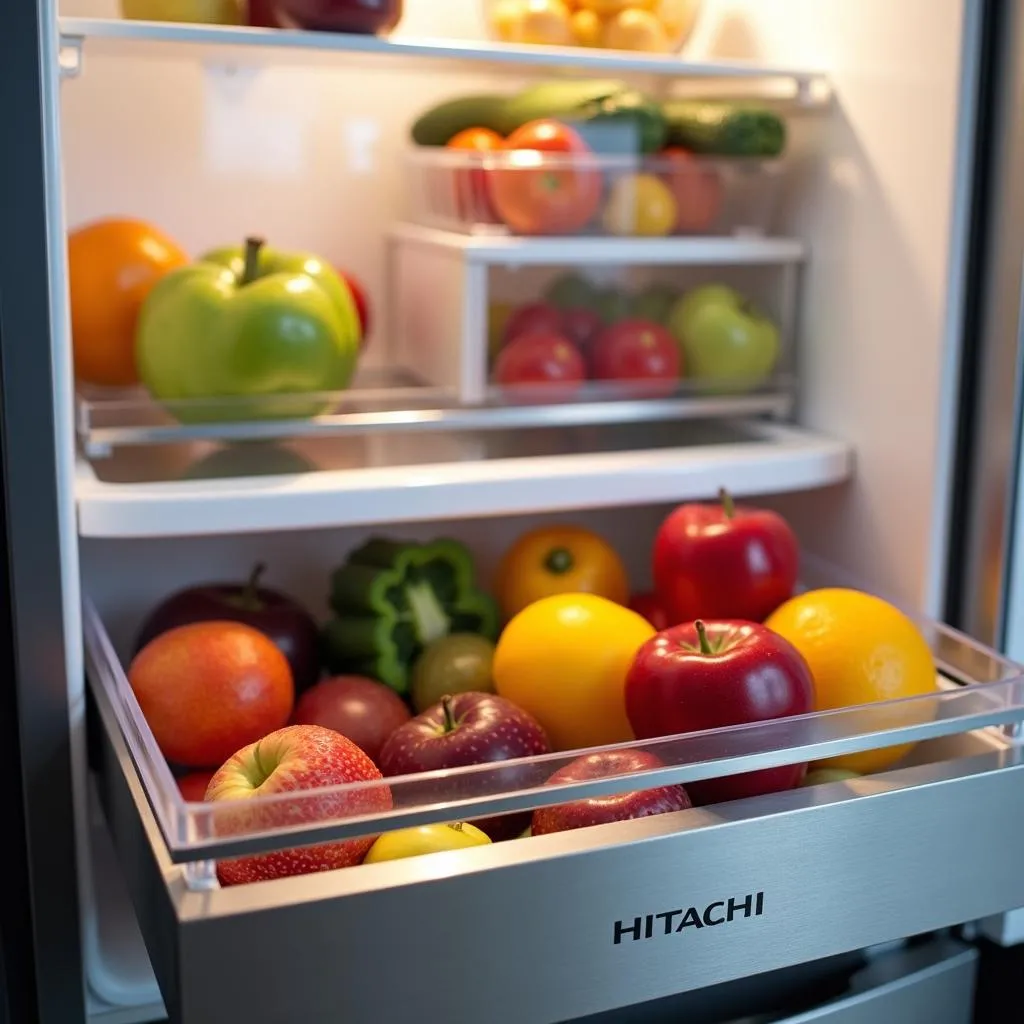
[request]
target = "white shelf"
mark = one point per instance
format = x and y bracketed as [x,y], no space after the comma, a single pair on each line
[756,458]
[808,86]
[746,250]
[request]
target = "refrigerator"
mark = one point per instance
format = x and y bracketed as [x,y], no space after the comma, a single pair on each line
[890,444]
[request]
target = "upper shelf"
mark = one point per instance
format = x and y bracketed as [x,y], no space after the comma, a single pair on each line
[806,86]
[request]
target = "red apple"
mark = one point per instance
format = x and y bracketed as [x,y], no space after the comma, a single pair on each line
[365,711]
[581,326]
[724,562]
[700,675]
[540,364]
[650,607]
[639,351]
[600,810]
[362,304]
[209,688]
[532,318]
[468,728]
[193,786]
[282,619]
[296,758]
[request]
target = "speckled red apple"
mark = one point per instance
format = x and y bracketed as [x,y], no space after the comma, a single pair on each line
[293,759]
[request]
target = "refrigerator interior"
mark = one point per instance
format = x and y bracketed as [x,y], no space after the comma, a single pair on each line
[306,149]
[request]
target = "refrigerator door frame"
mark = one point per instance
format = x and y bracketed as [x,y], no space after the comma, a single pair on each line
[39,536]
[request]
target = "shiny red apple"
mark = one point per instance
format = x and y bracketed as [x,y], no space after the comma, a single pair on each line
[291,760]
[365,711]
[532,318]
[638,351]
[699,675]
[650,607]
[280,618]
[724,561]
[469,728]
[600,810]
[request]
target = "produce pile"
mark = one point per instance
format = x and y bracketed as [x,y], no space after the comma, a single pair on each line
[248,323]
[710,334]
[430,672]
[650,26]
[612,158]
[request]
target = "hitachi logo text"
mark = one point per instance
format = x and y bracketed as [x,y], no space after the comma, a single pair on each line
[651,926]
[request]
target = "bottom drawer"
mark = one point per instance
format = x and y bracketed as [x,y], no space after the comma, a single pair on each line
[932,981]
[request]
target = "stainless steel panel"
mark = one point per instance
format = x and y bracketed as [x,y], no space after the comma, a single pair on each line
[526,931]
[933,983]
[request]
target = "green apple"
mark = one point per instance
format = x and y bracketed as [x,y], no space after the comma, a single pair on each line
[819,776]
[654,303]
[724,338]
[210,12]
[211,331]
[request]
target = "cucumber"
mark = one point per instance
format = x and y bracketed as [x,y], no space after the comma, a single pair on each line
[724,129]
[441,123]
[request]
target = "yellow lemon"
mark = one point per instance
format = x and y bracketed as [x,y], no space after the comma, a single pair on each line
[634,29]
[860,650]
[586,28]
[640,204]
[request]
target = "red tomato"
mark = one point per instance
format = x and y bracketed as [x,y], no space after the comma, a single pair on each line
[697,189]
[472,198]
[638,350]
[536,316]
[541,360]
[582,326]
[553,190]
[362,302]
[650,607]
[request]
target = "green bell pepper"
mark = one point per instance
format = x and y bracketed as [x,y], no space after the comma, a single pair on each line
[247,327]
[391,599]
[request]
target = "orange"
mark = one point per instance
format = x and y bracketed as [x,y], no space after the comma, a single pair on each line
[559,560]
[860,650]
[564,659]
[112,265]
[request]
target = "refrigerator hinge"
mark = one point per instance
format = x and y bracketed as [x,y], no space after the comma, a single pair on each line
[70,56]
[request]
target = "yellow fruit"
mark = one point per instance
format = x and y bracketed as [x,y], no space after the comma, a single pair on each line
[545,22]
[677,17]
[211,12]
[605,8]
[415,842]
[497,317]
[640,204]
[860,650]
[506,20]
[634,29]
[586,28]
[564,659]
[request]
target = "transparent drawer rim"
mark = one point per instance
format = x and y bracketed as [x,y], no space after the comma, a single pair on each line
[990,693]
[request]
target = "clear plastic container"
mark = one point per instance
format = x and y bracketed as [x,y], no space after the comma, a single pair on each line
[527,192]
[646,26]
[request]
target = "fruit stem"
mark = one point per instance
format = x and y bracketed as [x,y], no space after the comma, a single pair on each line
[728,506]
[251,270]
[559,561]
[702,636]
[250,596]
[449,715]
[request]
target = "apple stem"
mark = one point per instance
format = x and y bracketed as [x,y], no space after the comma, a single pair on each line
[251,271]
[250,596]
[702,636]
[449,715]
[728,506]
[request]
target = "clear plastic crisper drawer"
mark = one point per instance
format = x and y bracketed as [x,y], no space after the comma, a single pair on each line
[978,689]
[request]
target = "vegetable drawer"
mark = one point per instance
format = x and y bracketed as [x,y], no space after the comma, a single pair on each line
[580,923]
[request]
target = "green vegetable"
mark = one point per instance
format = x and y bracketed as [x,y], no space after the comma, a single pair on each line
[391,599]
[724,129]
[570,291]
[441,123]
[611,116]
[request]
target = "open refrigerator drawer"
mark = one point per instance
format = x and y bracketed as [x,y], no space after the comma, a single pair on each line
[596,918]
